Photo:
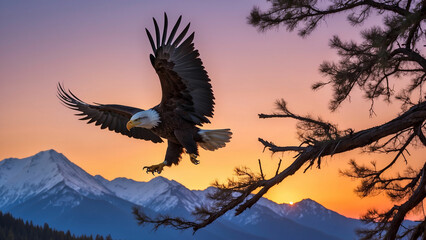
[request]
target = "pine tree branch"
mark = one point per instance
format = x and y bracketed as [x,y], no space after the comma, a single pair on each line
[415,115]
[391,7]
[418,131]
[411,55]
[290,13]
[366,64]
[417,197]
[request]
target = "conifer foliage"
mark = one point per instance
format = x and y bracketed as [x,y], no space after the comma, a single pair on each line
[17,229]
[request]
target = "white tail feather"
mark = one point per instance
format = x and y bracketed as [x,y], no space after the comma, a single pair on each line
[214,139]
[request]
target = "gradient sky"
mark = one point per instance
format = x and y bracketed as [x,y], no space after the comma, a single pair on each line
[99,50]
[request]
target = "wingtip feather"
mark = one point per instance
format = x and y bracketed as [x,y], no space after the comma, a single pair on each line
[163,40]
[157,33]
[151,41]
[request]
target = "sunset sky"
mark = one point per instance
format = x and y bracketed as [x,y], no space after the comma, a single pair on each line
[99,50]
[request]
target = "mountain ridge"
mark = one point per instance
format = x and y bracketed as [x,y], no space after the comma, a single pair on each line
[48,187]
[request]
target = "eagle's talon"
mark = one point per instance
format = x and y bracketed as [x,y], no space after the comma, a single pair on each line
[154,168]
[193,158]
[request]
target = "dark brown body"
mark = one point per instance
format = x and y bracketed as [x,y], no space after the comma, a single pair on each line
[169,122]
[180,134]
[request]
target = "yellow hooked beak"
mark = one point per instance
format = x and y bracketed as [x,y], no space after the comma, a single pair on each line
[130,125]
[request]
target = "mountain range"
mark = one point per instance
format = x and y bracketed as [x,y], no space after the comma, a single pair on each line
[49,188]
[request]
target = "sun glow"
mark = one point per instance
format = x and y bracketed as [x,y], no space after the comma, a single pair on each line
[291,203]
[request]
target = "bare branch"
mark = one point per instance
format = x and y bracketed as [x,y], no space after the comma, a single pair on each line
[418,196]
[273,148]
[261,172]
[278,168]
[392,220]
[419,132]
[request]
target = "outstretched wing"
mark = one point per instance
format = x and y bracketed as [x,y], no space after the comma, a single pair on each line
[185,84]
[111,116]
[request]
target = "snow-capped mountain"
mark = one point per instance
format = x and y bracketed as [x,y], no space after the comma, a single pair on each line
[311,213]
[160,193]
[21,179]
[47,187]
[169,195]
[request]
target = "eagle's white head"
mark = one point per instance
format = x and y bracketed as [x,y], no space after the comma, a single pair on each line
[145,119]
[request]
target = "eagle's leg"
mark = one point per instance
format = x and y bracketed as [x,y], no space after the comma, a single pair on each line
[173,154]
[155,168]
[187,140]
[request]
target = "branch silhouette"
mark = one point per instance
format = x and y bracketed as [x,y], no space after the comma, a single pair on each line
[386,53]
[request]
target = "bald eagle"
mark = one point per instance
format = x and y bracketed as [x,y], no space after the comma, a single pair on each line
[187,102]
